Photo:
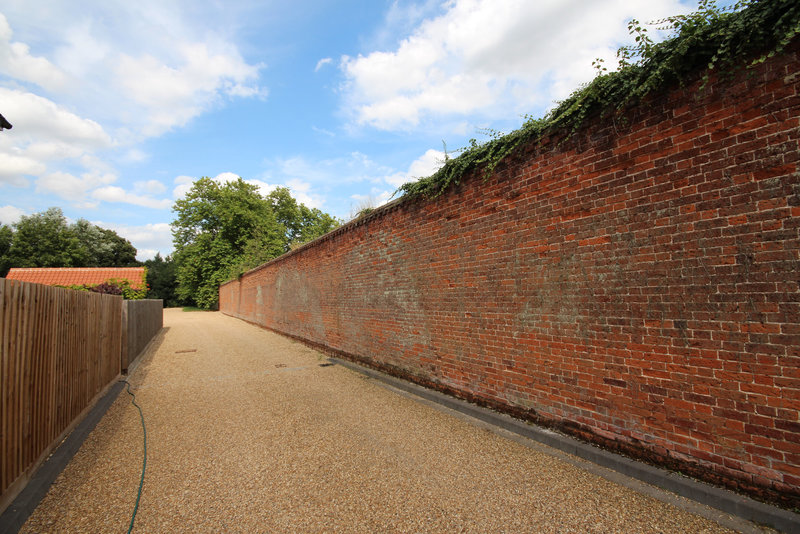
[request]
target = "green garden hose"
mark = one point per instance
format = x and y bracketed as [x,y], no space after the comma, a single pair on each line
[144,458]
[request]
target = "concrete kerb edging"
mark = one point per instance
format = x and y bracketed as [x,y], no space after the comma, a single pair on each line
[22,507]
[720,499]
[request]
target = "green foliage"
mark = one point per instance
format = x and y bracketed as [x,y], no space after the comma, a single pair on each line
[213,225]
[104,247]
[75,287]
[286,210]
[162,280]
[223,230]
[255,253]
[706,41]
[301,224]
[6,237]
[112,286]
[46,240]
[364,212]
[314,223]
[128,292]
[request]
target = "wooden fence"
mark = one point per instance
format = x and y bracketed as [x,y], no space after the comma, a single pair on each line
[141,321]
[59,351]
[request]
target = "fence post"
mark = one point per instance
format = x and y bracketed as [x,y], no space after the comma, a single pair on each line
[123,356]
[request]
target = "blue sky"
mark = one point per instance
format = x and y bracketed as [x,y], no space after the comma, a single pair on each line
[118,106]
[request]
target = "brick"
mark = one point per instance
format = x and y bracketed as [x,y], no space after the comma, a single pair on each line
[646,282]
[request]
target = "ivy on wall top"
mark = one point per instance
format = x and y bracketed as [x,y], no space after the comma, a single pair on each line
[710,40]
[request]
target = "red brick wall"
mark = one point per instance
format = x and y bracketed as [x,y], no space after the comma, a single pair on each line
[636,285]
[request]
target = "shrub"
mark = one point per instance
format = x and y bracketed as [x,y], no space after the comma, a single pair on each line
[112,287]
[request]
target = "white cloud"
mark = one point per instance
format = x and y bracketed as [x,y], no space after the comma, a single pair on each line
[17,62]
[47,151]
[183,184]
[374,199]
[13,169]
[149,187]
[142,68]
[316,182]
[135,155]
[10,214]
[264,188]
[353,168]
[74,188]
[304,194]
[401,19]
[176,92]
[296,172]
[322,62]
[81,51]
[427,164]
[148,239]
[245,91]
[323,131]
[492,57]
[226,177]
[117,194]
[139,69]
[45,135]
[300,189]
[38,120]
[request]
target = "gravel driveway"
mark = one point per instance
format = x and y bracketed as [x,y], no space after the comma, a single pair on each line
[247,432]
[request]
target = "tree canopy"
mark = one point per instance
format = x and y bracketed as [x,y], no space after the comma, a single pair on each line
[302,224]
[222,230]
[161,279]
[46,240]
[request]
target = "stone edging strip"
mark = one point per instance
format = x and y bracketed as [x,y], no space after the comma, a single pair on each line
[720,499]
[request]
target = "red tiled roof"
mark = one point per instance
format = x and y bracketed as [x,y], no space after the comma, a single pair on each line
[67,276]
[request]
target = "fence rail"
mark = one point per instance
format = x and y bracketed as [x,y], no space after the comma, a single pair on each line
[59,350]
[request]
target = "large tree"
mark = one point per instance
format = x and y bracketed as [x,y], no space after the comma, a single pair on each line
[46,240]
[214,224]
[162,280]
[222,230]
[105,248]
[302,223]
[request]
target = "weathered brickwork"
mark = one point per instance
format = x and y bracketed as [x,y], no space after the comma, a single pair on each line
[636,285]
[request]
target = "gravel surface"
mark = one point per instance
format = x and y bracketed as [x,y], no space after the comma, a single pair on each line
[246,432]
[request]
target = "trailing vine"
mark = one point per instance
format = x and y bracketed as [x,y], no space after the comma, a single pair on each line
[709,40]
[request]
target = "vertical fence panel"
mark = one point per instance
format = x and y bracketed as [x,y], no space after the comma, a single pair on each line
[58,350]
[142,320]
[5,338]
